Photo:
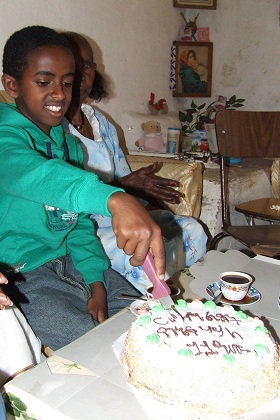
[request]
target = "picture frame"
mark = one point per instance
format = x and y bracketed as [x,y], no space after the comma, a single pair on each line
[196,4]
[193,69]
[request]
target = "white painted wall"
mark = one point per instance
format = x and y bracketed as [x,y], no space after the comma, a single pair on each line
[133,39]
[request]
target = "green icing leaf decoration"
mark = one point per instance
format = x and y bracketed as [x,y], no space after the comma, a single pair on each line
[261,350]
[152,339]
[181,304]
[229,358]
[210,304]
[261,328]
[144,320]
[241,315]
[187,353]
[158,308]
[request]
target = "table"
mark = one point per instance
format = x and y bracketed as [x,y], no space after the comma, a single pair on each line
[263,208]
[108,395]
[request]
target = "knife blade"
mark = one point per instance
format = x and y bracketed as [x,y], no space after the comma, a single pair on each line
[161,291]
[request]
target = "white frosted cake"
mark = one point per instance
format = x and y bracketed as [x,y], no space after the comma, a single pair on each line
[210,358]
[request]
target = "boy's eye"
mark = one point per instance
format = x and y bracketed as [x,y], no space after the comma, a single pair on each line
[42,83]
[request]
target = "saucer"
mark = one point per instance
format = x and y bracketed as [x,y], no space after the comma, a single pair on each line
[252,296]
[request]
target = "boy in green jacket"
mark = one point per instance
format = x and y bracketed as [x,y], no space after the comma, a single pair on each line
[48,243]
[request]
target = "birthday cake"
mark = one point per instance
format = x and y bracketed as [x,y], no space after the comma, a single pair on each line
[210,358]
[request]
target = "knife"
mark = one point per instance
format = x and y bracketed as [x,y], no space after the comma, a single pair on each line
[161,290]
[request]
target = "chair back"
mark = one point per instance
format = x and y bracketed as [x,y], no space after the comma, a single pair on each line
[248,134]
[245,134]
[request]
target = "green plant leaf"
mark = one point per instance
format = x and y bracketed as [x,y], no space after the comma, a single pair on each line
[201,106]
[182,116]
[189,117]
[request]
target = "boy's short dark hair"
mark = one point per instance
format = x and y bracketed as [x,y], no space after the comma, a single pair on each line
[20,43]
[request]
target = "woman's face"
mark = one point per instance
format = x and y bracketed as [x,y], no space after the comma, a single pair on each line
[85,69]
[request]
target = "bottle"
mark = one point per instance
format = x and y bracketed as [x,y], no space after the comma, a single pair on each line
[173,140]
[186,143]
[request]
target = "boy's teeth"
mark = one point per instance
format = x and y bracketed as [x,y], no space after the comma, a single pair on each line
[54,108]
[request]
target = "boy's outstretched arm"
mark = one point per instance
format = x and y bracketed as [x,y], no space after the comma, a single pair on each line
[136,231]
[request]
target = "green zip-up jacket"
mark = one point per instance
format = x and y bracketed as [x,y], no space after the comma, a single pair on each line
[45,201]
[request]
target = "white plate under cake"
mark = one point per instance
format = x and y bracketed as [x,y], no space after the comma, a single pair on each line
[209,358]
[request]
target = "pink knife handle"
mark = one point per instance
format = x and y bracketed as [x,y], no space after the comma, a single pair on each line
[160,289]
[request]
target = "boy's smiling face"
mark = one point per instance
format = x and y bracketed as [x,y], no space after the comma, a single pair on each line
[44,92]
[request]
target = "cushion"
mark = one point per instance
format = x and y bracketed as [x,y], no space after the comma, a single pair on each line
[189,174]
[5,97]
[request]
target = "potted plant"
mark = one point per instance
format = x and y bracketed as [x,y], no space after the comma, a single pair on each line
[196,116]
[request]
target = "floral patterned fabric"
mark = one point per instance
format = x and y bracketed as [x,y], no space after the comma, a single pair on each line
[185,239]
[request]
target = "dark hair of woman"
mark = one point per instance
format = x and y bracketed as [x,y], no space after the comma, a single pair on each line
[99,87]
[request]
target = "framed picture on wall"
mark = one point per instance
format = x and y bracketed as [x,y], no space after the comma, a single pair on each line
[193,69]
[196,4]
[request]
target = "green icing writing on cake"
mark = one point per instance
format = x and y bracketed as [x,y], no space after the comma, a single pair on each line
[261,328]
[210,304]
[181,304]
[187,353]
[152,339]
[261,350]
[230,359]
[144,320]
[241,315]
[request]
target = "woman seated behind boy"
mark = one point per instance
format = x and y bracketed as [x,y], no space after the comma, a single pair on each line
[185,238]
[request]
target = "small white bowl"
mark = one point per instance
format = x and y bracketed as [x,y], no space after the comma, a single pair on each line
[235,284]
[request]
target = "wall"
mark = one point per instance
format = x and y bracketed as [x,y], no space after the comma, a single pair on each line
[133,39]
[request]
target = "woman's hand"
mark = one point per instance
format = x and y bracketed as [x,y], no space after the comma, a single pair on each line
[136,231]
[144,180]
[97,303]
[4,299]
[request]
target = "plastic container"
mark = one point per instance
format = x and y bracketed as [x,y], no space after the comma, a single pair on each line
[173,140]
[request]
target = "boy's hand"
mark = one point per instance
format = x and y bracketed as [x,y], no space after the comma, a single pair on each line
[97,303]
[136,231]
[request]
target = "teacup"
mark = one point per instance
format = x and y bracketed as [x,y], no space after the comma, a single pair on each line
[175,291]
[235,284]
